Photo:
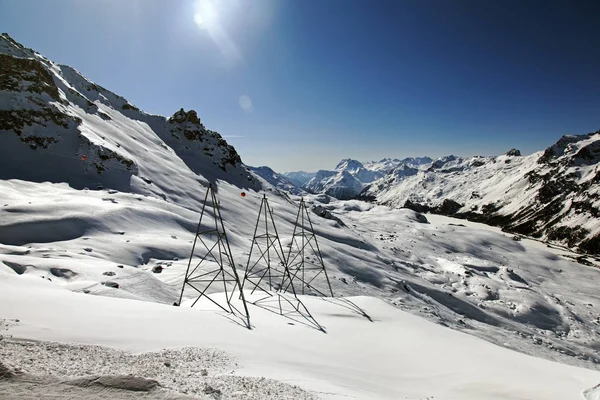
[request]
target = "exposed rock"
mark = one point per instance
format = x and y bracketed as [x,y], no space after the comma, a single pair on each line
[324,213]
[157,269]
[421,218]
[186,124]
[63,273]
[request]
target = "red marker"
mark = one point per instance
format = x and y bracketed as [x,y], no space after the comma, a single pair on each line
[83,158]
[243,194]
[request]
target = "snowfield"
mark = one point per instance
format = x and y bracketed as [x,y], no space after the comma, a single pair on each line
[396,356]
[415,276]
[99,205]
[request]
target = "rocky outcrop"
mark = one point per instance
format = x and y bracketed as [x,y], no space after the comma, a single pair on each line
[186,126]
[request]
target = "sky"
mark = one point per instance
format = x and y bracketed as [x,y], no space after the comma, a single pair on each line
[299,85]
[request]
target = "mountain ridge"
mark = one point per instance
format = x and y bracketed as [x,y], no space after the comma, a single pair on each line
[62,127]
[550,195]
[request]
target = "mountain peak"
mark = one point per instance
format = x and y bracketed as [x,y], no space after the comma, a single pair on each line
[183,116]
[349,163]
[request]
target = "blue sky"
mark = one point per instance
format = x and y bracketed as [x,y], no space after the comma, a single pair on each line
[301,84]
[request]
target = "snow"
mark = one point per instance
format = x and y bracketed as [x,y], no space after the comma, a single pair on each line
[188,370]
[346,181]
[350,176]
[397,356]
[472,278]
[459,310]
[280,181]
[388,164]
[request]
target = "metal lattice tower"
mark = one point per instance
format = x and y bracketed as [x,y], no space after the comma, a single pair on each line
[267,271]
[304,270]
[216,265]
[304,244]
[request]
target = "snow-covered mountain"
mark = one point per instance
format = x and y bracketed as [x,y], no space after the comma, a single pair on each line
[58,126]
[104,266]
[552,195]
[299,178]
[279,181]
[350,177]
[388,164]
[347,180]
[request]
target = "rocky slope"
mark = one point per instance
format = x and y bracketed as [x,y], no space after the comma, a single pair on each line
[278,181]
[58,126]
[551,195]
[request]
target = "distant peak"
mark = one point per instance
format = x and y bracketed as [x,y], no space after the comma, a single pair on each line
[348,163]
[12,47]
[7,37]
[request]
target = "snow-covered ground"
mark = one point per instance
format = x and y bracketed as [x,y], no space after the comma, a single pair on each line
[415,278]
[396,356]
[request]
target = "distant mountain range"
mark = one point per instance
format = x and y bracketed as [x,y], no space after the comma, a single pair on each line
[350,177]
[552,195]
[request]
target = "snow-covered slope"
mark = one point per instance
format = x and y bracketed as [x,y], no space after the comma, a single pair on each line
[471,278]
[339,184]
[104,266]
[552,195]
[57,126]
[415,359]
[278,181]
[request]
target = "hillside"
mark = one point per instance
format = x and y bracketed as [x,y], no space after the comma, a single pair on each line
[58,126]
[550,195]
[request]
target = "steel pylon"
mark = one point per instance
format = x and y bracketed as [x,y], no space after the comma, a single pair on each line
[304,258]
[216,265]
[267,269]
[305,263]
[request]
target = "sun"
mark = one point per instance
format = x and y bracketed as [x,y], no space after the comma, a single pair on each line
[206,15]
[214,18]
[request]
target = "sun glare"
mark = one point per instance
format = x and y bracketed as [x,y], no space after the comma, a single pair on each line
[214,17]
[207,15]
